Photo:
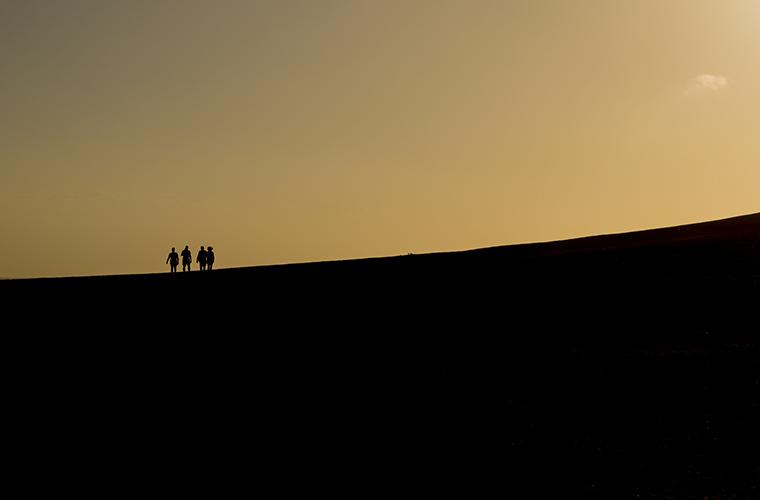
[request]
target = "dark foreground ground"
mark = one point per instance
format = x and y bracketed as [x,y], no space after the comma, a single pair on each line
[624,366]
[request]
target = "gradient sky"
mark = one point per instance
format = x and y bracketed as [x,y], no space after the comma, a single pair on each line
[282,131]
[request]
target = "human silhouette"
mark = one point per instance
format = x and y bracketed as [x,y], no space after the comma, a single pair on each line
[210,258]
[201,258]
[187,259]
[173,260]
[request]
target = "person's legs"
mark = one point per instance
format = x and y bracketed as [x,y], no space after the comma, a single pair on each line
[210,265]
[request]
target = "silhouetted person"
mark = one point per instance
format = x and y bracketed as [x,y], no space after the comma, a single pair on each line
[210,258]
[173,260]
[187,259]
[201,258]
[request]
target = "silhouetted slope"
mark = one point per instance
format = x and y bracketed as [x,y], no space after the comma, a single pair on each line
[730,230]
[617,366]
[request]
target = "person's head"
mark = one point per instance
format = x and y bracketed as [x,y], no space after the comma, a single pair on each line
[173,249]
[210,248]
[187,247]
[201,247]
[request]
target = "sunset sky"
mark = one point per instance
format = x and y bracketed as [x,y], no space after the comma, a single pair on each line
[284,131]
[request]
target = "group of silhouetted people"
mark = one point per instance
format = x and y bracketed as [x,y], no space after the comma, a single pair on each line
[205,259]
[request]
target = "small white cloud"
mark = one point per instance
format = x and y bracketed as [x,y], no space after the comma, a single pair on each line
[706,84]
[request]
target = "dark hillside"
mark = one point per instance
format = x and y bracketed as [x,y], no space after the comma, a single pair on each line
[616,366]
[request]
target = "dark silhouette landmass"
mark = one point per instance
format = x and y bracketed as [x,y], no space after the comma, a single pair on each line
[617,366]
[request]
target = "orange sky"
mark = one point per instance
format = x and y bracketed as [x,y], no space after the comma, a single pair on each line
[285,131]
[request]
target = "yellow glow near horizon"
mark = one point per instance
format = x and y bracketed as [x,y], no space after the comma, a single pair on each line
[281,131]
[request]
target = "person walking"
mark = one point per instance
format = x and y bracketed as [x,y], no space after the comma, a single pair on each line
[210,258]
[201,258]
[173,260]
[187,259]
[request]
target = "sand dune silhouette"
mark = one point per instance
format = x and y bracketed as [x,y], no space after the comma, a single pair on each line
[610,366]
